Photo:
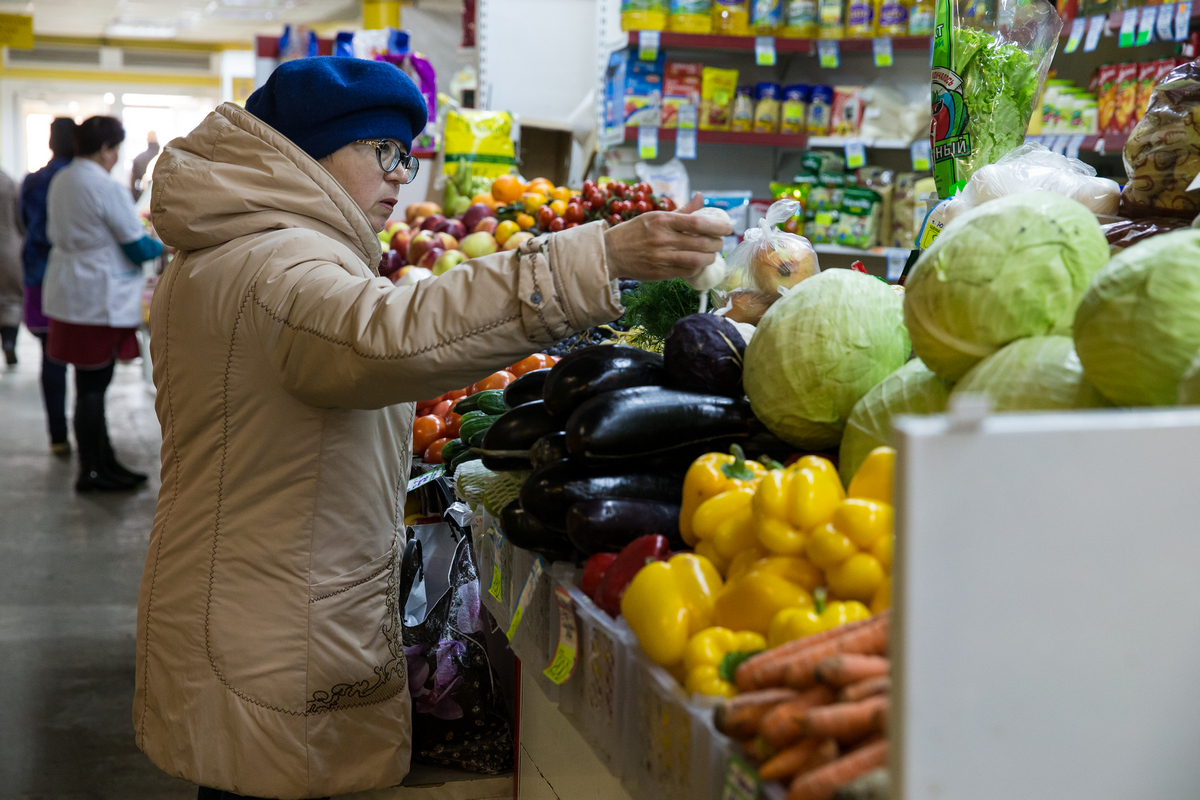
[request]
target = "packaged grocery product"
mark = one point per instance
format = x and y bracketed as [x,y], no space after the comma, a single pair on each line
[1147,77]
[690,16]
[1124,101]
[682,82]
[820,107]
[483,139]
[824,207]
[716,98]
[643,15]
[743,110]
[1090,116]
[766,16]
[731,17]
[767,107]
[847,111]
[644,90]
[736,204]
[860,18]
[891,17]
[888,114]
[792,110]
[800,19]
[1106,96]
[985,83]
[920,18]
[883,183]
[858,218]
[903,222]
[1128,232]
[831,16]
[771,260]
[1162,155]
[815,163]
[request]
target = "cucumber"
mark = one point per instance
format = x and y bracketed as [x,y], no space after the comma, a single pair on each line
[593,371]
[526,388]
[552,490]
[473,426]
[606,526]
[520,428]
[489,402]
[453,449]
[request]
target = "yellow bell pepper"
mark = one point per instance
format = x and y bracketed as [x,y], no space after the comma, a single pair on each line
[705,659]
[883,596]
[855,548]
[710,475]
[750,601]
[744,562]
[794,623]
[814,492]
[723,526]
[667,602]
[875,476]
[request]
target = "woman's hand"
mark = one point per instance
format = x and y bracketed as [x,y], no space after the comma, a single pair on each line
[662,245]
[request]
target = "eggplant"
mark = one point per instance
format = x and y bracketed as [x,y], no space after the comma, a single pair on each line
[591,371]
[524,531]
[653,421]
[703,353]
[548,449]
[550,492]
[526,388]
[606,526]
[503,460]
[517,430]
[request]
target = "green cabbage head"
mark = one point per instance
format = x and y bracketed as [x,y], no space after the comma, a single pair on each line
[1189,384]
[1138,327]
[912,389]
[1010,268]
[818,350]
[1041,373]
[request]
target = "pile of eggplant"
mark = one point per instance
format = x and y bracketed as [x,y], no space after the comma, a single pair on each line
[609,433]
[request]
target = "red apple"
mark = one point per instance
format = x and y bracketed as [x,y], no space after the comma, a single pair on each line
[420,244]
[478,244]
[431,222]
[401,238]
[452,227]
[447,242]
[420,210]
[400,273]
[430,258]
[393,261]
[448,261]
[474,213]
[486,225]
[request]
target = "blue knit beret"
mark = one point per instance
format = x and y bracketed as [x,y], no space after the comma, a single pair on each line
[327,102]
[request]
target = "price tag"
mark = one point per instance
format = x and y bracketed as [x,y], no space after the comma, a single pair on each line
[1164,27]
[896,259]
[827,53]
[764,51]
[1095,29]
[496,590]
[1099,146]
[1129,20]
[647,142]
[882,48]
[1074,144]
[920,155]
[648,45]
[421,480]
[856,154]
[685,138]
[496,540]
[526,595]
[1145,33]
[1183,18]
[741,780]
[1078,28]
[563,665]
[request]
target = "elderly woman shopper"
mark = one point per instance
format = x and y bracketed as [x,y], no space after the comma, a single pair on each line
[12,295]
[269,650]
[92,291]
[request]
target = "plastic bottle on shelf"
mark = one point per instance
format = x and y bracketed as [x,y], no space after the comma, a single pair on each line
[690,16]
[860,19]
[766,17]
[832,16]
[643,15]
[891,18]
[767,109]
[731,17]
[800,19]
[743,110]
[820,111]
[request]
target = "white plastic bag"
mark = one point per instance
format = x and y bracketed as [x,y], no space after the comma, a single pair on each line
[1031,167]
[771,260]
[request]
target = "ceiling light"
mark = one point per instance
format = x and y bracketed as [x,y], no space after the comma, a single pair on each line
[129,31]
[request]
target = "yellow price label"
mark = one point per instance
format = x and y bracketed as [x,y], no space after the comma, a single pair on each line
[563,665]
[497,583]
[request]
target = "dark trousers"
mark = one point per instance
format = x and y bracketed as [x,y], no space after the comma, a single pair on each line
[54,394]
[217,794]
[8,336]
[91,429]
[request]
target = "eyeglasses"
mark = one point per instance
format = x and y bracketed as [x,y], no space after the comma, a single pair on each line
[391,157]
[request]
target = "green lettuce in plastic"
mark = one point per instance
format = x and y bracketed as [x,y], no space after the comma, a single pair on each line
[1138,327]
[1041,373]
[818,350]
[912,389]
[1010,268]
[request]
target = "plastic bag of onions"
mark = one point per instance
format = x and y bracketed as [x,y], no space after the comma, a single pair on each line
[769,259]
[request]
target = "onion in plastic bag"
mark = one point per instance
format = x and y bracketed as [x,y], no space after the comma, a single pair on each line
[769,259]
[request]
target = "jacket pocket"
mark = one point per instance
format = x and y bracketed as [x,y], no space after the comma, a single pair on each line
[355,656]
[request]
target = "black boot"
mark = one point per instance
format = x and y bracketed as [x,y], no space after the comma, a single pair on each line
[114,467]
[94,476]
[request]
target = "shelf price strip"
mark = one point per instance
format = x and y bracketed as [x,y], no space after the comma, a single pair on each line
[1164,24]
[526,596]
[647,142]
[1129,20]
[1145,33]
[1078,27]
[764,51]
[1095,29]
[648,42]
[563,666]
[685,137]
[1183,16]
[827,53]
[882,50]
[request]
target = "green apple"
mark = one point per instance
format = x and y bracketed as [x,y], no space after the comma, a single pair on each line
[479,244]
[448,261]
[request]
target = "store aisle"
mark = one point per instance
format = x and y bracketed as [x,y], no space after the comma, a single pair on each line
[69,571]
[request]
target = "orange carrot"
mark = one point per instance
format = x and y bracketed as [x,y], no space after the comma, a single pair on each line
[848,722]
[767,668]
[880,684]
[738,717]
[821,783]
[757,749]
[847,668]
[784,724]
[789,761]
[800,672]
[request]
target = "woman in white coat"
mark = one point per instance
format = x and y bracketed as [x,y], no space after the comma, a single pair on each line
[93,289]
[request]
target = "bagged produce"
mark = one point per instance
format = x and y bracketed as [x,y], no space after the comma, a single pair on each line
[769,259]
[1127,232]
[1041,373]
[912,389]
[985,84]
[1138,326]
[1011,268]
[1162,156]
[818,350]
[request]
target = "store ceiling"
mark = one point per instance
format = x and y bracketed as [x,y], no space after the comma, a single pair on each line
[194,20]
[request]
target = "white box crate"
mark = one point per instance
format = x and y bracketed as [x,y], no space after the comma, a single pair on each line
[661,736]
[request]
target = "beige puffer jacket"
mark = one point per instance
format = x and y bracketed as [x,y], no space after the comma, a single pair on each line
[269,655]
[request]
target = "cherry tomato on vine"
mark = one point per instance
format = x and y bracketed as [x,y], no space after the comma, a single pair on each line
[556,225]
[614,219]
[666,204]
[642,207]
[574,213]
[644,187]
[640,197]
[544,215]
[589,186]
[618,189]
[571,225]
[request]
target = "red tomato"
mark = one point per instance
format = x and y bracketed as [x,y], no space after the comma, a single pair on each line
[497,380]
[621,206]
[544,216]
[535,361]
[442,409]
[457,394]
[571,225]
[424,404]
[433,453]
[644,187]
[590,186]
[574,213]
[666,204]
[452,425]
[618,188]
[614,219]
[556,225]
[642,207]
[640,196]
[426,430]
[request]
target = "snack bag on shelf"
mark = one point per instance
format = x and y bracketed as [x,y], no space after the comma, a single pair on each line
[1125,105]
[766,16]
[882,182]
[891,17]
[847,112]
[986,82]
[860,19]
[482,139]
[690,16]
[767,109]
[800,19]
[643,15]
[1147,77]
[681,84]
[831,15]
[743,110]
[644,90]
[731,17]
[716,98]
[1106,96]
[858,218]
[1162,156]
[769,259]
[820,109]
[793,109]
[824,207]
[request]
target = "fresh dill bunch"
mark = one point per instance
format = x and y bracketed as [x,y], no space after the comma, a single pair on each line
[653,308]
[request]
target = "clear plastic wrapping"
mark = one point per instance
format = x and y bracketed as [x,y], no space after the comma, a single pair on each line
[1162,156]
[769,259]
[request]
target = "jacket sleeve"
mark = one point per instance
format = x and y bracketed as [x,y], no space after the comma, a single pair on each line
[338,340]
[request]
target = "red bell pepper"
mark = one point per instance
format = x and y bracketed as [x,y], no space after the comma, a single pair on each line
[593,570]
[628,563]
